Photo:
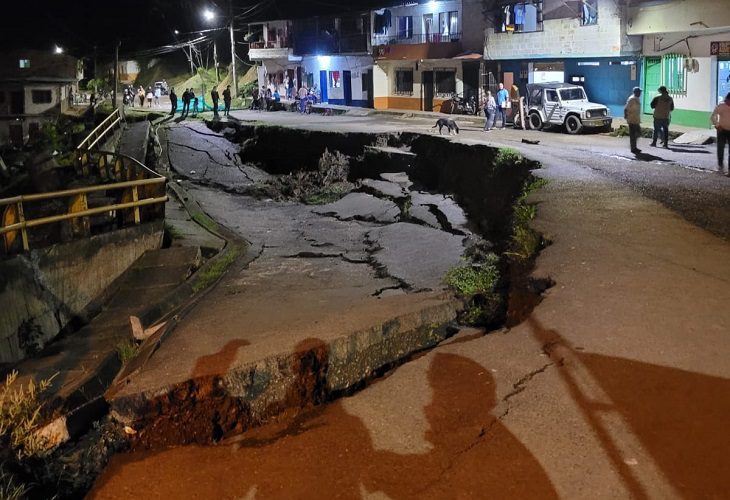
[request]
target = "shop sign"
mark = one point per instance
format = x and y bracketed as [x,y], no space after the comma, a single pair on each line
[720,48]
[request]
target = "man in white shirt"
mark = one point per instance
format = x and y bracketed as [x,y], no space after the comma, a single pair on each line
[632,113]
[720,118]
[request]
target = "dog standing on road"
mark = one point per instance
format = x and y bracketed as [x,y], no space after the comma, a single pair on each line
[445,122]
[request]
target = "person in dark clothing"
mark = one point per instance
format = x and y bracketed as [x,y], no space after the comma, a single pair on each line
[227,100]
[173,101]
[192,99]
[186,103]
[214,97]
[255,99]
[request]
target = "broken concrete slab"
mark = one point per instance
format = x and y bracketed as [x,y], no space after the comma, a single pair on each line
[400,178]
[453,216]
[696,137]
[385,189]
[417,256]
[422,213]
[361,206]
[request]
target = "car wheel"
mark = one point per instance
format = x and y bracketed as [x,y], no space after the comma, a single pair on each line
[535,121]
[573,125]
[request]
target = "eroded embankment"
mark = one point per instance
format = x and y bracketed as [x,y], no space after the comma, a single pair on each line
[467,192]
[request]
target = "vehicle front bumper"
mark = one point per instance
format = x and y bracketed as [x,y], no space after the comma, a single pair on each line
[597,122]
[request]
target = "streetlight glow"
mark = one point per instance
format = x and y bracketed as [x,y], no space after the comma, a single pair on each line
[208,14]
[176,32]
[57,50]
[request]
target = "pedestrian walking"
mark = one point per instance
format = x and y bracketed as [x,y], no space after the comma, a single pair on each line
[227,100]
[140,96]
[173,101]
[503,103]
[720,118]
[254,98]
[514,100]
[290,88]
[632,113]
[663,105]
[191,100]
[195,106]
[158,93]
[150,96]
[490,111]
[214,96]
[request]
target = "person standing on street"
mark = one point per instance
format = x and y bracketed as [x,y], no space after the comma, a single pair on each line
[173,101]
[720,118]
[227,100]
[158,94]
[663,105]
[490,110]
[502,103]
[632,113]
[214,96]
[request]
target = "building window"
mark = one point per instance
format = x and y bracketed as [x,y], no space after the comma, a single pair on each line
[405,27]
[519,18]
[588,12]
[335,81]
[449,24]
[41,96]
[404,81]
[673,73]
[445,81]
[24,63]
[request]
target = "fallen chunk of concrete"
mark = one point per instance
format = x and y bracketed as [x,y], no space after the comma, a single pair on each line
[361,206]
[696,137]
[385,188]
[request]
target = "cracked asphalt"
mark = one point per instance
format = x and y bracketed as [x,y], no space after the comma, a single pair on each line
[615,386]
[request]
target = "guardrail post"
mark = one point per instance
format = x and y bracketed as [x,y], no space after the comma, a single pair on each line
[79,203]
[23,230]
[135,198]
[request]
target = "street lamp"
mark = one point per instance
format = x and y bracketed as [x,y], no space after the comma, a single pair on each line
[58,50]
[209,15]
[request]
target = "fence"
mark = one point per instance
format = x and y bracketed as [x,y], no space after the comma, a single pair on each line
[100,133]
[122,201]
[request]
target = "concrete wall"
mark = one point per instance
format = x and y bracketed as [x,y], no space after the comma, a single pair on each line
[693,107]
[357,65]
[43,290]
[563,38]
[678,16]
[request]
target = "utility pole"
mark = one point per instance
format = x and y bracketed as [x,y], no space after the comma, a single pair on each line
[233,52]
[192,69]
[116,74]
[215,62]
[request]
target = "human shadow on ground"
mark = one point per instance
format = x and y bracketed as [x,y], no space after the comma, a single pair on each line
[329,453]
[679,417]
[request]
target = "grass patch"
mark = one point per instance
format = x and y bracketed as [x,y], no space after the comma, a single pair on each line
[217,268]
[507,157]
[525,243]
[127,350]
[206,222]
[477,283]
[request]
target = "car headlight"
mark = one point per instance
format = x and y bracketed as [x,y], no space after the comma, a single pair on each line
[595,113]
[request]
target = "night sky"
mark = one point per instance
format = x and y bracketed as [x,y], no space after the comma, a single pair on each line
[79,25]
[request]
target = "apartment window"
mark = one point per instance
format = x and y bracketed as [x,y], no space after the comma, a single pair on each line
[404,81]
[588,12]
[519,18]
[405,27]
[24,63]
[41,96]
[445,81]
[335,80]
[448,23]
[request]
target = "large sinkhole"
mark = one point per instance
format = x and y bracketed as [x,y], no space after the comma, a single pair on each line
[458,211]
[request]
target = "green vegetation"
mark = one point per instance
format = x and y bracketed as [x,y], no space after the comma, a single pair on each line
[9,488]
[507,157]
[477,283]
[217,268]
[127,350]
[206,222]
[173,232]
[525,243]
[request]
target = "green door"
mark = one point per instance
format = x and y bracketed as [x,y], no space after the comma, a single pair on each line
[652,80]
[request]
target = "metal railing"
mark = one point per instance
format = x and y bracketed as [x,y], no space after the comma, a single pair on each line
[137,186]
[405,38]
[101,132]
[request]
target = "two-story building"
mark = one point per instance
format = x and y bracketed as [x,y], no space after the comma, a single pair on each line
[425,52]
[34,88]
[686,48]
[270,44]
[585,42]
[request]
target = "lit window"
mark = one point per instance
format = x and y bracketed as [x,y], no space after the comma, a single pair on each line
[335,81]
[24,63]
[405,27]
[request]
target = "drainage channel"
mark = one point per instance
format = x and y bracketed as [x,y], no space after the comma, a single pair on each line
[417,219]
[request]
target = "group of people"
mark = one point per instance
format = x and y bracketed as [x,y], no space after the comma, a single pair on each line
[264,99]
[663,105]
[189,97]
[497,106]
[150,96]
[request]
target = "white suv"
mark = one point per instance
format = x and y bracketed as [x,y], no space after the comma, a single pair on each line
[563,104]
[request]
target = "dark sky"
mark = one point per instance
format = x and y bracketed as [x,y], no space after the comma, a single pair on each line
[79,25]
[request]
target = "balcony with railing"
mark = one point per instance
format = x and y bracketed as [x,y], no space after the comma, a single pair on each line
[270,40]
[330,43]
[417,46]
